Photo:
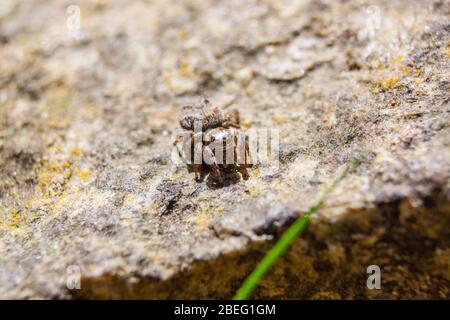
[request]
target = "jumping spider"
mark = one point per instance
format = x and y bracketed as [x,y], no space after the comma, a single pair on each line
[214,136]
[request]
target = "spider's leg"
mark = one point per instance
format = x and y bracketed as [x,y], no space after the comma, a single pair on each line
[248,156]
[243,166]
[179,138]
[228,125]
[210,159]
[243,170]
[235,168]
[198,172]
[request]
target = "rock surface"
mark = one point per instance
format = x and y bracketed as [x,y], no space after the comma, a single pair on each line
[87,117]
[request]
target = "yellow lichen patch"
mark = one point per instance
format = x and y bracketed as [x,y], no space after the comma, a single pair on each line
[278,119]
[76,152]
[419,72]
[185,68]
[247,124]
[398,58]
[125,218]
[421,93]
[407,71]
[55,167]
[51,176]
[390,83]
[183,35]
[129,199]
[84,175]
[419,90]
[14,220]
[205,215]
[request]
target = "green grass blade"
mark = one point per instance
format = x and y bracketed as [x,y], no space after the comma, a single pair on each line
[289,235]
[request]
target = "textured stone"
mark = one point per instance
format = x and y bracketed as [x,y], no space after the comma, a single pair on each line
[87,120]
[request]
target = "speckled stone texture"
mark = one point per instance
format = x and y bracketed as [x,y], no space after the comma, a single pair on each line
[87,119]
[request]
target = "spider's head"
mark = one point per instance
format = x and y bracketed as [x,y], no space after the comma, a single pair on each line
[204,114]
